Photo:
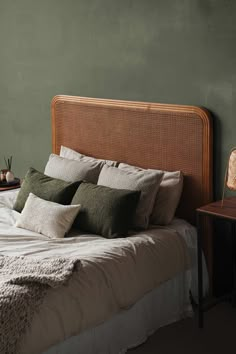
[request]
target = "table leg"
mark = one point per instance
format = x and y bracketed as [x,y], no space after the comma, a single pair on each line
[233,234]
[200,280]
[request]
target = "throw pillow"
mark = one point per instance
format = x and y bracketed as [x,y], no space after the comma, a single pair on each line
[47,218]
[72,170]
[105,211]
[134,178]
[167,198]
[45,187]
[74,155]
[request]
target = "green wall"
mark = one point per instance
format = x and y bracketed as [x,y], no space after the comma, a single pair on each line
[169,51]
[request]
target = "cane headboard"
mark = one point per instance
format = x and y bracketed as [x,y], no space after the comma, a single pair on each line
[149,135]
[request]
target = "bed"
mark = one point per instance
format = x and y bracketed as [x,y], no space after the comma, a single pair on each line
[148,135]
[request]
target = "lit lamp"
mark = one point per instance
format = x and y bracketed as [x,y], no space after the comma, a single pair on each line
[230,173]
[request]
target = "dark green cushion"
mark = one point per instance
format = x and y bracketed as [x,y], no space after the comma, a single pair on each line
[48,188]
[105,211]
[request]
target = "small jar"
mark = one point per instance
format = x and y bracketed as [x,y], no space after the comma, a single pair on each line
[10,176]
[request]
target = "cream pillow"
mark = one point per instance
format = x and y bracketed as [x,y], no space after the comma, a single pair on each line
[167,198]
[47,218]
[72,170]
[134,178]
[74,155]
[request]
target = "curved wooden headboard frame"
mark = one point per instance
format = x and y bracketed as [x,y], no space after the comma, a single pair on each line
[149,135]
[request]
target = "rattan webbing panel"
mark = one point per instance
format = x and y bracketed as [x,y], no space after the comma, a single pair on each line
[149,135]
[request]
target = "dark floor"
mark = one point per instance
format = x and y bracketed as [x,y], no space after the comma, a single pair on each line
[217,336]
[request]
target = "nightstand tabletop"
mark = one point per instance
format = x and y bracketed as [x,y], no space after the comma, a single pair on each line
[227,211]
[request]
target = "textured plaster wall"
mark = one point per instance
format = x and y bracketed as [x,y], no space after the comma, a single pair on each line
[167,51]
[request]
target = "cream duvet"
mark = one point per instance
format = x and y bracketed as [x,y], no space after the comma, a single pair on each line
[113,275]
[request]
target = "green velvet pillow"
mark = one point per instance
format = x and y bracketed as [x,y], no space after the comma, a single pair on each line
[48,188]
[105,211]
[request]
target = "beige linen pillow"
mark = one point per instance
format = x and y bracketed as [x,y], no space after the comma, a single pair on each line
[72,170]
[74,155]
[167,198]
[47,218]
[134,178]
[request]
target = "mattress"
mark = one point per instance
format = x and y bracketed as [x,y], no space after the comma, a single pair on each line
[136,270]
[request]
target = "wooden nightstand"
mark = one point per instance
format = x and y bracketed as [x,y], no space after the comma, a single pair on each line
[226,211]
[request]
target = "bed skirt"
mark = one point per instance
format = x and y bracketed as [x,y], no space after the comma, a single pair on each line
[166,304]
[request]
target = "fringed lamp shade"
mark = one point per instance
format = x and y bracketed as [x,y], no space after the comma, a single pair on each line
[231,178]
[230,173]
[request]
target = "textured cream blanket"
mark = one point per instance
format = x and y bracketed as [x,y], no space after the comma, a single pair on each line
[113,275]
[24,282]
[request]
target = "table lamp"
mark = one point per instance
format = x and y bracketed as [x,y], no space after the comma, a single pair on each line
[230,174]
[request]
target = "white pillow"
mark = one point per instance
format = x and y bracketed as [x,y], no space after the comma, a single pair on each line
[74,155]
[47,218]
[134,178]
[167,198]
[72,170]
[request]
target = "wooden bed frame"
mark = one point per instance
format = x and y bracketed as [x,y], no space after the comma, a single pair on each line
[149,135]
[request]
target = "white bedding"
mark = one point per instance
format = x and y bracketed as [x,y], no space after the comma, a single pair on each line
[118,272]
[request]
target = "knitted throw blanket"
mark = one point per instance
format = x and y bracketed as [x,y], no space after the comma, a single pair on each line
[24,282]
